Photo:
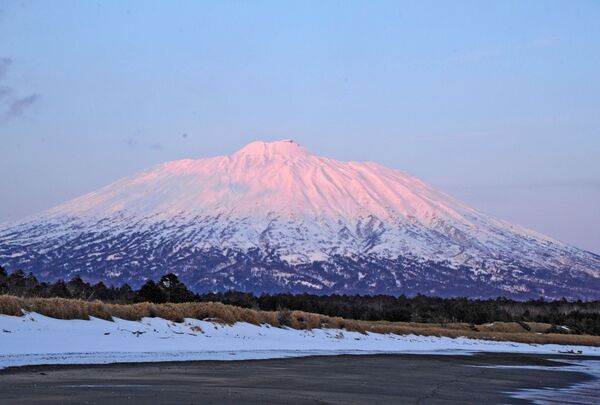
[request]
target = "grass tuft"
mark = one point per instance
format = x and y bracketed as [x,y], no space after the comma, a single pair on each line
[60,308]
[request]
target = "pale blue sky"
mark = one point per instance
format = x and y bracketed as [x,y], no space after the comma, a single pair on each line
[496,103]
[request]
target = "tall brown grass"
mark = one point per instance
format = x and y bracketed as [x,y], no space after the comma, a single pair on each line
[61,308]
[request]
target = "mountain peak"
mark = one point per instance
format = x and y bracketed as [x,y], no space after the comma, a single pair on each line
[284,148]
[274,217]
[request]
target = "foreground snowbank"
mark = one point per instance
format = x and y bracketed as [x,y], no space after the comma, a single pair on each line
[37,339]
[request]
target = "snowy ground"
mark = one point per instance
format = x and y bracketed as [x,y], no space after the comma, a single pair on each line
[37,339]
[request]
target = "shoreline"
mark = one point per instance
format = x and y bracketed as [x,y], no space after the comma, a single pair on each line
[505,360]
[387,378]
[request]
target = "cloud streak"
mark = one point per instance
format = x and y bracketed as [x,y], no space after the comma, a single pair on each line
[590,183]
[18,106]
[12,105]
[470,55]
[5,92]
[133,143]
[4,66]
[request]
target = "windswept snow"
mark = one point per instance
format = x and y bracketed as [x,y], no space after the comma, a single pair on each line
[37,339]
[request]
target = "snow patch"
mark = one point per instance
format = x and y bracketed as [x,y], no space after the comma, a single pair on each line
[37,339]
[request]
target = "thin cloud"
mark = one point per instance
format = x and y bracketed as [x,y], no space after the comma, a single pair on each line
[5,91]
[535,185]
[4,66]
[155,146]
[475,54]
[544,42]
[18,106]
[567,183]
[468,55]
[12,105]
[133,143]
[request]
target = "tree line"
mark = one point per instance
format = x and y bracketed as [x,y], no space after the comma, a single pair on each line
[581,317]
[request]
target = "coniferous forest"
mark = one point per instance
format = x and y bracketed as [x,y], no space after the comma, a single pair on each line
[581,317]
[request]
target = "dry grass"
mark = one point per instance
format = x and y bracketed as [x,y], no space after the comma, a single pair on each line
[77,309]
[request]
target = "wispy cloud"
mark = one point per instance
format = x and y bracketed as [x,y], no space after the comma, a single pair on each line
[560,183]
[18,106]
[468,55]
[131,142]
[475,54]
[155,146]
[4,91]
[543,42]
[4,65]
[12,104]
[590,183]
[134,143]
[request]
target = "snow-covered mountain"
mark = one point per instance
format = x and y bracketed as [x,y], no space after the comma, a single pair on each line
[274,217]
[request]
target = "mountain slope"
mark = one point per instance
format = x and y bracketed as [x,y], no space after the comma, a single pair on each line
[274,217]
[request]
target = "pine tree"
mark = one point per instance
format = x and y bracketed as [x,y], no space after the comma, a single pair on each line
[151,292]
[174,290]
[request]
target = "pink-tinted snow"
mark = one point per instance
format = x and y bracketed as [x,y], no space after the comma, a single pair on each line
[266,177]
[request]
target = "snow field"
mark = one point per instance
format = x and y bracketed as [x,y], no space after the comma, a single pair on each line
[37,339]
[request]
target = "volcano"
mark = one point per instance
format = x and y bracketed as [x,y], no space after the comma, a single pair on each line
[274,217]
